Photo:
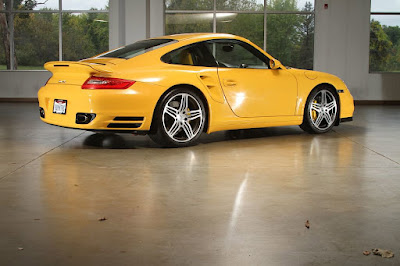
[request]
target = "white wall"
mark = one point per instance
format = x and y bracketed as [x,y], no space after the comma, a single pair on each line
[22,84]
[341,46]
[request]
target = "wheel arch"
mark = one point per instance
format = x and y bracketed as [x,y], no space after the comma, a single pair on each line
[195,90]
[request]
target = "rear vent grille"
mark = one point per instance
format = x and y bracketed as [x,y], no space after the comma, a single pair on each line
[129,118]
[124,125]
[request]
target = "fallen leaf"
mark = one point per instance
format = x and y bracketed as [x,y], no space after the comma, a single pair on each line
[366,252]
[384,253]
[307,224]
[20,248]
[102,219]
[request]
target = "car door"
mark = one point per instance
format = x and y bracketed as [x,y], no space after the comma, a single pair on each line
[250,87]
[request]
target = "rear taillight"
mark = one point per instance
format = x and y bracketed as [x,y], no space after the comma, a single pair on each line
[102,83]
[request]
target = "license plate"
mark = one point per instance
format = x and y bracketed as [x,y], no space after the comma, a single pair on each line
[60,106]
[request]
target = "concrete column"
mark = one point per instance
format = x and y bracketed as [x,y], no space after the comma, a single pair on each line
[131,21]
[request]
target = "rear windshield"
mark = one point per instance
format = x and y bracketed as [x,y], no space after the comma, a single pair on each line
[137,48]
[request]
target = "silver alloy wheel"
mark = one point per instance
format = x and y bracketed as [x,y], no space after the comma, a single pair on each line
[182,117]
[323,109]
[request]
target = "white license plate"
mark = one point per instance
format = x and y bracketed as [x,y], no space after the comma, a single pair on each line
[60,106]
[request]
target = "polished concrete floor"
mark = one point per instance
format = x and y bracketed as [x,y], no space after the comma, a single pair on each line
[238,198]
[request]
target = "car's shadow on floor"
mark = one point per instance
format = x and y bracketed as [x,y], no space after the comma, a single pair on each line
[129,141]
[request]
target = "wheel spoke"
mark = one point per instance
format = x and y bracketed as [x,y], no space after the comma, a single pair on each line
[171,111]
[328,118]
[323,97]
[316,107]
[330,106]
[194,114]
[319,119]
[174,129]
[188,129]
[184,103]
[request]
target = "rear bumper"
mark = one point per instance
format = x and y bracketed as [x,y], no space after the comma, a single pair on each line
[137,102]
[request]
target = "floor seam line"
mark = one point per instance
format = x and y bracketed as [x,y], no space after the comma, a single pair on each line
[368,148]
[34,159]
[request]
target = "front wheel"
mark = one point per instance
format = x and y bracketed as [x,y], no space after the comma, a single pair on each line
[321,111]
[179,119]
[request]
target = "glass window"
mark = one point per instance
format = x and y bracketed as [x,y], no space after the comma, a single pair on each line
[188,23]
[278,5]
[243,5]
[290,39]
[137,48]
[290,5]
[3,57]
[182,57]
[290,24]
[85,5]
[194,55]
[36,34]
[46,5]
[384,42]
[36,39]
[189,4]
[305,5]
[34,5]
[235,54]
[384,47]
[250,26]
[84,35]
[385,6]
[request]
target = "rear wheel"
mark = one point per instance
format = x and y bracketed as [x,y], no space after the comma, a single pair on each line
[179,119]
[321,111]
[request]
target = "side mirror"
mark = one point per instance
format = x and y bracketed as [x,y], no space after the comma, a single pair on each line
[274,64]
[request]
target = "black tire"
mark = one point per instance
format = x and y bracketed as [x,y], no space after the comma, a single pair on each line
[178,119]
[320,114]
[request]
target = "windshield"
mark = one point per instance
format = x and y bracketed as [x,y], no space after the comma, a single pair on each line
[137,48]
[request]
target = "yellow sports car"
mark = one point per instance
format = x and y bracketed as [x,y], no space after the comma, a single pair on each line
[176,87]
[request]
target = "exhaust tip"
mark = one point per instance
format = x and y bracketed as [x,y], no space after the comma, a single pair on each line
[84,118]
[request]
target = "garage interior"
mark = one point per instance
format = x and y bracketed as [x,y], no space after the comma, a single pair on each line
[238,198]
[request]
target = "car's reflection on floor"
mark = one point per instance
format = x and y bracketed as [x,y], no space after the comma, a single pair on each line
[130,141]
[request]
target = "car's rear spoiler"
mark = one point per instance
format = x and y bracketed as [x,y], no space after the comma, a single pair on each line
[77,67]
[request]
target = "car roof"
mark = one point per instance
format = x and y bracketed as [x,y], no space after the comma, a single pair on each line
[189,36]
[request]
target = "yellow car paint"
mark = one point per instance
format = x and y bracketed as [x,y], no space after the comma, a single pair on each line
[236,98]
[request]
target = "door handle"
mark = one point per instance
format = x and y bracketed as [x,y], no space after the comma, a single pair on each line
[229,82]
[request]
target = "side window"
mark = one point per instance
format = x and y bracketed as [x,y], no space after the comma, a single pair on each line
[192,55]
[181,57]
[233,54]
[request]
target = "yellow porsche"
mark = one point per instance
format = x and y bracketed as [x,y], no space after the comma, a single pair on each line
[176,87]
